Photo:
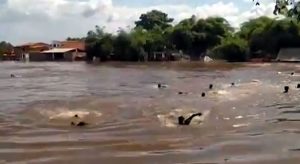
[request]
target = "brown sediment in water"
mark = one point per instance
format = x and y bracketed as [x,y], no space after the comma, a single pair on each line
[176,65]
[131,120]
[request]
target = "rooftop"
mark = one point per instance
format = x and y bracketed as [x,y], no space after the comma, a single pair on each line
[73,44]
[59,50]
[38,44]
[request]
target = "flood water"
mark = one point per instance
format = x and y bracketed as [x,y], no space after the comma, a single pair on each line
[130,120]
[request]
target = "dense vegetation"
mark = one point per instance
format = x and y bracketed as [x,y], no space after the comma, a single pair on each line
[257,38]
[155,31]
[5,47]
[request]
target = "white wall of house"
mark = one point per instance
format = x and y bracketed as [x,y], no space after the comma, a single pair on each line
[55,44]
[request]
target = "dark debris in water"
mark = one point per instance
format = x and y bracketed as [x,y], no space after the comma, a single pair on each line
[281,105]
[182,77]
[291,112]
[256,134]
[295,149]
[285,131]
[286,107]
[80,124]
[171,151]
[163,152]
[278,120]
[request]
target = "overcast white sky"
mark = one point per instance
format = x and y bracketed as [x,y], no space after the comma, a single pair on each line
[45,20]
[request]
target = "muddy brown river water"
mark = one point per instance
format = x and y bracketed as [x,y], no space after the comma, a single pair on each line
[132,121]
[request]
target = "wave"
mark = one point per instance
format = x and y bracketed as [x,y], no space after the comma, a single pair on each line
[171,119]
[62,116]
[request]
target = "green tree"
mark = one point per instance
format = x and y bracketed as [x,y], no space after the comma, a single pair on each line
[232,49]
[94,44]
[122,46]
[195,37]
[153,19]
[106,47]
[139,42]
[254,31]
[75,39]
[254,27]
[126,48]
[181,36]
[5,47]
[208,33]
[266,36]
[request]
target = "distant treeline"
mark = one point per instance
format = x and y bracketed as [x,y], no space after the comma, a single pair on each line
[257,38]
[5,47]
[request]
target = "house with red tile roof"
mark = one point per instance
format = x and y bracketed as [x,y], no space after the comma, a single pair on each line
[68,44]
[31,51]
[66,51]
[65,54]
[56,51]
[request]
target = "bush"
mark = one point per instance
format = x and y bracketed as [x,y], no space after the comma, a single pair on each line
[232,50]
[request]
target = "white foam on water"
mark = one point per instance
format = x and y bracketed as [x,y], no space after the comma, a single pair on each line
[240,125]
[221,92]
[166,121]
[253,116]
[255,81]
[237,92]
[239,117]
[223,95]
[64,116]
[171,119]
[71,114]
[155,86]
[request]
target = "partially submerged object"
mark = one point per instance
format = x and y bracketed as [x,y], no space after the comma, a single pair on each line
[286,89]
[159,85]
[81,123]
[183,121]
[171,119]
[207,59]
[183,93]
[180,93]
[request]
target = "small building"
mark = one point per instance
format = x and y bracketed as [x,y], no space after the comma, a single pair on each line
[56,51]
[288,55]
[68,44]
[64,54]
[67,51]
[31,51]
